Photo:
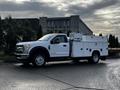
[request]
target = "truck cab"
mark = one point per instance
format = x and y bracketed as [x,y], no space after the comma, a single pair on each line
[51,45]
[59,46]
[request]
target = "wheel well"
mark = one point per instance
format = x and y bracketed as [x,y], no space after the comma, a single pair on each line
[41,50]
[96,51]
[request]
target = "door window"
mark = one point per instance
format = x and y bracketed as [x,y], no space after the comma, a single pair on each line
[59,39]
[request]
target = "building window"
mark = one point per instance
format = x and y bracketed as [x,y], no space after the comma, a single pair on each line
[52,23]
[64,23]
[68,24]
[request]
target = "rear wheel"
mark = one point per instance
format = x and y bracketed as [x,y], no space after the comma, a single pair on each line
[95,58]
[39,60]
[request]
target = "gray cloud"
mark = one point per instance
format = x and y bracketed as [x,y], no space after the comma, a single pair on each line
[11,6]
[45,8]
[50,9]
[97,22]
[90,9]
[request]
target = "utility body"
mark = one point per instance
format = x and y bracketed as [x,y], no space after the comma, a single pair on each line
[58,46]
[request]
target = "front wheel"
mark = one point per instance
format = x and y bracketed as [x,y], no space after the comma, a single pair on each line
[39,60]
[95,58]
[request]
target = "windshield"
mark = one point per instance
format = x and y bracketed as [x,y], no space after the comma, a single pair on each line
[46,37]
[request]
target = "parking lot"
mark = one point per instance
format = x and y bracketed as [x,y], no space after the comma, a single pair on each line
[61,76]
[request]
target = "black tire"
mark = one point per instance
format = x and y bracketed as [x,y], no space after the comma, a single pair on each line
[95,58]
[39,60]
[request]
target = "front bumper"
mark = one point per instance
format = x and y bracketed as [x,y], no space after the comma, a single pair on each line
[22,57]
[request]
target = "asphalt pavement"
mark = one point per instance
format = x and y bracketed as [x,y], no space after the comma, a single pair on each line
[61,76]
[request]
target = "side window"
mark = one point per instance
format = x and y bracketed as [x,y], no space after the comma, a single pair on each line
[59,39]
[63,39]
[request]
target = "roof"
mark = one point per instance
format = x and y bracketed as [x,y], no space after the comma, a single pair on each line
[58,19]
[57,33]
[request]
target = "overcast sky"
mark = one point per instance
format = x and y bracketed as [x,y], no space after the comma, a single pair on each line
[102,16]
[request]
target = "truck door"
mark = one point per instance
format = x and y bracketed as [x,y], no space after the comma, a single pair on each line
[59,46]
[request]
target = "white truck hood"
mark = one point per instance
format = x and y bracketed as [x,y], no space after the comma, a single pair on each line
[32,43]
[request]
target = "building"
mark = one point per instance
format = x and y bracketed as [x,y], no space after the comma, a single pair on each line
[64,25]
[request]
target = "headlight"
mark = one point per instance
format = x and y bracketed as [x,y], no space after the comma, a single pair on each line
[19,48]
[27,47]
[22,48]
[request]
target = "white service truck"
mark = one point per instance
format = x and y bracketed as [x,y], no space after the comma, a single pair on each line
[58,46]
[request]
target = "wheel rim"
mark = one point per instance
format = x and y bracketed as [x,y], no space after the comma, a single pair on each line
[39,60]
[95,57]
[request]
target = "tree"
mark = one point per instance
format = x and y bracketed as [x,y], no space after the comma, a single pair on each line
[16,30]
[39,32]
[10,37]
[113,41]
[116,42]
[1,35]
[28,32]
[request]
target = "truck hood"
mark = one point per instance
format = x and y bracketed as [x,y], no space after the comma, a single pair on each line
[31,43]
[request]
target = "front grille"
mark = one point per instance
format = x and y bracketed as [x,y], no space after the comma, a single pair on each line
[19,48]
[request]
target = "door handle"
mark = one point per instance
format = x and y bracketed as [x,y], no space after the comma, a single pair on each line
[64,45]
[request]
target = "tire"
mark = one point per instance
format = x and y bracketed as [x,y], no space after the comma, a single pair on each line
[39,60]
[95,58]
